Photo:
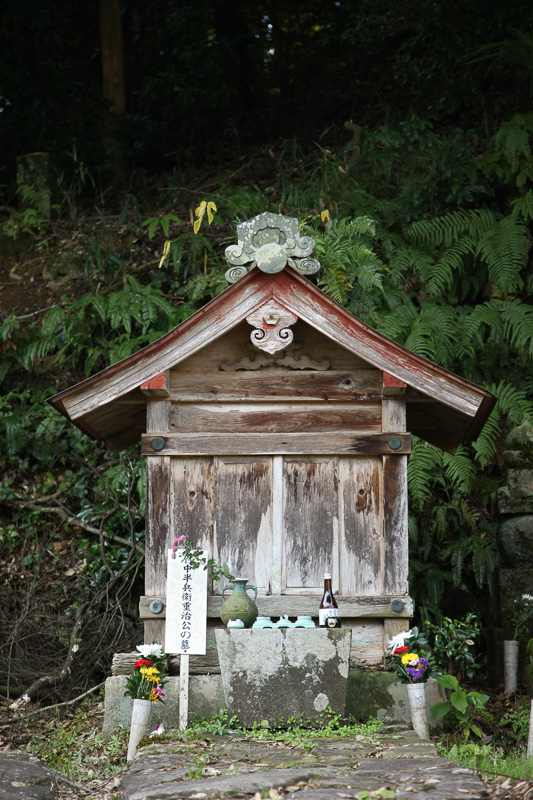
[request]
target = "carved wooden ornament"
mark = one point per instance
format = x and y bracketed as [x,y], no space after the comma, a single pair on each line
[271,323]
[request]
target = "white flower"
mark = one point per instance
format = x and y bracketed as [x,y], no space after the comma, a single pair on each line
[159,730]
[398,640]
[527,597]
[148,650]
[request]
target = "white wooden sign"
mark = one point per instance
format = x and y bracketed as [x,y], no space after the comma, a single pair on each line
[186,612]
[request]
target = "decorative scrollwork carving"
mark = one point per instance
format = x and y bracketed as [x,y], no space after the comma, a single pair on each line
[270,242]
[290,358]
[271,323]
[233,274]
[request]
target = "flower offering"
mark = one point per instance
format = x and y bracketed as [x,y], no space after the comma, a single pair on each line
[149,675]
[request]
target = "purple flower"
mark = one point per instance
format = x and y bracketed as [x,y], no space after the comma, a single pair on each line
[423,662]
[415,673]
[158,691]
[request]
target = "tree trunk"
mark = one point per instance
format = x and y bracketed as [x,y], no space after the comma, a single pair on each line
[112,56]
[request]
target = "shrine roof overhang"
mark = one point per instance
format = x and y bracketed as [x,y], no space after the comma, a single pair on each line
[442,408]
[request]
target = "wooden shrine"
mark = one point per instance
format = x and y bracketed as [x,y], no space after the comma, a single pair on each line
[276,428]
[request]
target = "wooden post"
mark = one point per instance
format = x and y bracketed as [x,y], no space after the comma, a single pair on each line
[184,691]
[396,562]
[186,620]
[158,531]
[530,738]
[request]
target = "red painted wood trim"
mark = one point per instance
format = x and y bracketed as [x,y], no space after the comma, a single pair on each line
[390,381]
[155,383]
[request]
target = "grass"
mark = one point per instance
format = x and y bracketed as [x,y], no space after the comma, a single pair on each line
[291,731]
[490,760]
[74,745]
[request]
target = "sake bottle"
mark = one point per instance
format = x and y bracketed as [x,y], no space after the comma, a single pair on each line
[328,612]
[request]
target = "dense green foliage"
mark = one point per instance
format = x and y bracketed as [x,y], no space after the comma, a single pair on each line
[427,238]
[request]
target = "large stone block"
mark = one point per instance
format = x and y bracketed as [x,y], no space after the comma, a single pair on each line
[274,675]
[516,496]
[515,541]
[519,447]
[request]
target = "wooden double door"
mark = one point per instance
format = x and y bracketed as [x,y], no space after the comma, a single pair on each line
[283,521]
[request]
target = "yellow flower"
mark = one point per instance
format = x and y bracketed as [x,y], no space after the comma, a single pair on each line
[406,658]
[150,673]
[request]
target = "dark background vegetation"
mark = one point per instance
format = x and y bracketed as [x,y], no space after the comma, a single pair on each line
[412,118]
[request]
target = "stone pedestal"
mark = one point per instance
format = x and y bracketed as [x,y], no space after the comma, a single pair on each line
[299,674]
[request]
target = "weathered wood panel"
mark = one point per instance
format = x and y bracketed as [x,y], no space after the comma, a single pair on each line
[367,643]
[362,526]
[395,524]
[192,500]
[276,383]
[326,443]
[243,518]
[310,522]
[306,604]
[275,418]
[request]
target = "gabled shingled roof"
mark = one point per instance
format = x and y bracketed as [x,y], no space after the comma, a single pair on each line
[442,408]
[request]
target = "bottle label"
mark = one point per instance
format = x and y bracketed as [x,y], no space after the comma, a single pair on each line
[324,614]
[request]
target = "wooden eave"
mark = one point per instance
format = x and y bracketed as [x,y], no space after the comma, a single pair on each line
[442,408]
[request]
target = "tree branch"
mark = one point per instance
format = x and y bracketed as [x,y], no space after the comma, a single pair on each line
[70,519]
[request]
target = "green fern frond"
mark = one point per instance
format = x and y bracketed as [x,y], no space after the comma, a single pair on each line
[509,152]
[424,470]
[485,560]
[496,320]
[442,274]
[447,229]
[512,402]
[433,334]
[485,444]
[409,260]
[523,207]
[505,249]
[460,470]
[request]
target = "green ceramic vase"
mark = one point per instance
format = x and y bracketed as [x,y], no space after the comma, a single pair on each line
[239,605]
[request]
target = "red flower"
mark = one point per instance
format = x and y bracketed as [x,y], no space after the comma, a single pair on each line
[143,662]
[400,650]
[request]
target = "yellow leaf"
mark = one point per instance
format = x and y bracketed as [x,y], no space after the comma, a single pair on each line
[324,216]
[166,250]
[196,226]
[200,211]
[210,208]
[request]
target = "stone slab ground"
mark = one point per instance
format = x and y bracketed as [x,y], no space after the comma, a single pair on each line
[234,767]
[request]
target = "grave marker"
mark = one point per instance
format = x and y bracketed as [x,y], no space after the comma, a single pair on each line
[186,619]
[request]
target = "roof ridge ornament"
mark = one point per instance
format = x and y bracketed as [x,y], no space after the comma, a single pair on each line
[270,242]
